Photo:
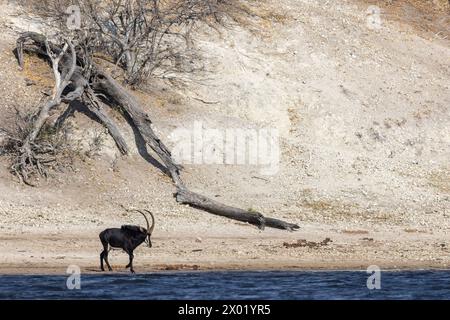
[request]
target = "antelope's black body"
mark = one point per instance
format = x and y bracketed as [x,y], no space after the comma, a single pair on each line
[127,237]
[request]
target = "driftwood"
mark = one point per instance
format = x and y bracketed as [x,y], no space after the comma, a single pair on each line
[100,82]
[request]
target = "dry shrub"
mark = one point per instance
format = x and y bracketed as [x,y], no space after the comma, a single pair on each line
[51,151]
[144,38]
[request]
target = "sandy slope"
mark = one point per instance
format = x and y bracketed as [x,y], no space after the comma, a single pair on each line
[364,122]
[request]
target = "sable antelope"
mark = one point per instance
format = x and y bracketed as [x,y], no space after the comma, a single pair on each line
[128,238]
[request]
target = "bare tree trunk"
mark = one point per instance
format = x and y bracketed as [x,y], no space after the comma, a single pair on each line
[201,202]
[95,106]
[114,90]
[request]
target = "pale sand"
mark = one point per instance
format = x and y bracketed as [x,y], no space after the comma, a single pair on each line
[40,253]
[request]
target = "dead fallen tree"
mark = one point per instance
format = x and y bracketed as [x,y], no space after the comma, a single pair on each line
[88,83]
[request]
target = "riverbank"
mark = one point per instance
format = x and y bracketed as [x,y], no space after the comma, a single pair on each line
[33,252]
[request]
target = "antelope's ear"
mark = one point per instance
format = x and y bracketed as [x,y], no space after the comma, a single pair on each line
[142,229]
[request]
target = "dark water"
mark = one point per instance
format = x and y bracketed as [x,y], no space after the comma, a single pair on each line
[231,285]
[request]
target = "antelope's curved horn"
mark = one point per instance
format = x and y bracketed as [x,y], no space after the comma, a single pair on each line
[146,220]
[150,230]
